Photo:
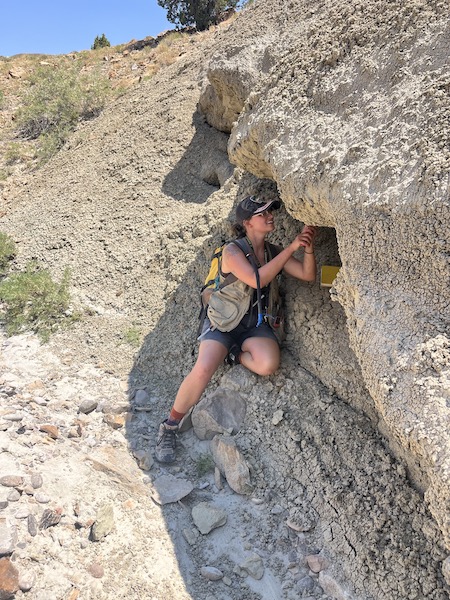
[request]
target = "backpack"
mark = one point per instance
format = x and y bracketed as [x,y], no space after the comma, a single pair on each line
[275,309]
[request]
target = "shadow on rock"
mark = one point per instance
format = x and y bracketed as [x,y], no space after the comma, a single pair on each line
[203,168]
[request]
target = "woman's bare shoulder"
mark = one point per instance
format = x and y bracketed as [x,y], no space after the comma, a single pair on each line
[232,249]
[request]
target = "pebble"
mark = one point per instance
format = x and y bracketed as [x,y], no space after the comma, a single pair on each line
[190,535]
[14,496]
[278,416]
[306,584]
[51,430]
[316,562]
[27,580]
[8,538]
[32,525]
[211,573]
[9,579]
[22,512]
[41,498]
[16,417]
[96,570]
[208,517]
[104,522]
[50,518]
[141,398]
[114,421]
[145,459]
[36,481]
[88,406]
[40,401]
[253,565]
[11,481]
[257,501]
[168,489]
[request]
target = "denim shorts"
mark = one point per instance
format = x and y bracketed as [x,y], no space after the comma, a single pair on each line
[237,335]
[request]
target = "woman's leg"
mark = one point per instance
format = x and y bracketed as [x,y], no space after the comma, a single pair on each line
[260,355]
[211,355]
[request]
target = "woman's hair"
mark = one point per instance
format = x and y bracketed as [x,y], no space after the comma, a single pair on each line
[239,230]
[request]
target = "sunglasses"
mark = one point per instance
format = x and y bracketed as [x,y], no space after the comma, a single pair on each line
[269,211]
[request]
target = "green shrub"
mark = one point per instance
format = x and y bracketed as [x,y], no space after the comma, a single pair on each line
[100,42]
[56,101]
[132,336]
[2,99]
[15,152]
[7,252]
[50,143]
[34,302]
[205,463]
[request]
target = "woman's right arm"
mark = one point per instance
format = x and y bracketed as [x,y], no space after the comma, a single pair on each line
[236,263]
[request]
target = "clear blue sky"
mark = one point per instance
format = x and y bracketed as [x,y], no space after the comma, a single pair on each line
[61,26]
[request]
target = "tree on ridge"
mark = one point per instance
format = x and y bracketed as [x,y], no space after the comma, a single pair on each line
[200,13]
[100,42]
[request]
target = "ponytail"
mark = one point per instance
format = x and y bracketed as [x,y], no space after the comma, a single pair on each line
[239,230]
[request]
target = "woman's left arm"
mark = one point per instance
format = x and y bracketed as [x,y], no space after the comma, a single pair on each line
[305,270]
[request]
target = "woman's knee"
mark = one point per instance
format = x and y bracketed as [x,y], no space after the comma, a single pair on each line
[264,355]
[205,367]
[261,363]
[203,371]
[268,365]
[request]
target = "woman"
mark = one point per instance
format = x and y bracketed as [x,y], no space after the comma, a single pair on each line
[254,347]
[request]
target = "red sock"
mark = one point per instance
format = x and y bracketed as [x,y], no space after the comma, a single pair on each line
[174,418]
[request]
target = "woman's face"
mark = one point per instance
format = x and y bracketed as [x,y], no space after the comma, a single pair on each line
[263,222]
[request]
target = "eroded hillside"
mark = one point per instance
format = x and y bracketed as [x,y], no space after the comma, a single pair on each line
[327,109]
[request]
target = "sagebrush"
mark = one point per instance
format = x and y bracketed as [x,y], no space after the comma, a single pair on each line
[33,301]
[7,252]
[56,101]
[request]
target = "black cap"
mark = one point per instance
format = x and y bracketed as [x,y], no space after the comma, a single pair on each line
[252,205]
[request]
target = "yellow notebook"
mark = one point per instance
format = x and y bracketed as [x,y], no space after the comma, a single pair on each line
[328,275]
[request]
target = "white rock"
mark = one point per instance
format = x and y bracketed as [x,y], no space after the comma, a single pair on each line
[27,580]
[253,565]
[277,417]
[168,489]
[211,573]
[208,517]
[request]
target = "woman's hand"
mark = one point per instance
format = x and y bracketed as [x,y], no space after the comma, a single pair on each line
[305,239]
[305,269]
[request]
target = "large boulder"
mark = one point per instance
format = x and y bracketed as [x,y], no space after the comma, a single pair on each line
[221,411]
[352,123]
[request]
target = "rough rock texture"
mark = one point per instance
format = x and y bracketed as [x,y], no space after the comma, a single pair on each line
[352,123]
[347,119]
[222,411]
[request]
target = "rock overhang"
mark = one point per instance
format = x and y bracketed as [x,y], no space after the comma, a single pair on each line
[351,123]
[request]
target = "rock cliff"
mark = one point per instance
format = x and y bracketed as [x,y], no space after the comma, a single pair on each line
[346,108]
[343,111]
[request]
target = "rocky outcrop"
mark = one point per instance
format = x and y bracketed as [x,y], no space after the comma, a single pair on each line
[342,111]
[351,123]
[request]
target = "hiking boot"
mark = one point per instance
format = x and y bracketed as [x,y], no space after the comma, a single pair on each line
[166,443]
[233,355]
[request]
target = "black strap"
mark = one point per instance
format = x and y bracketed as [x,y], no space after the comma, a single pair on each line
[246,247]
